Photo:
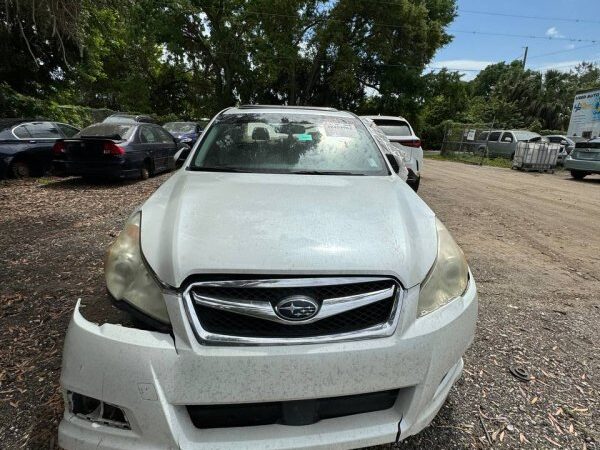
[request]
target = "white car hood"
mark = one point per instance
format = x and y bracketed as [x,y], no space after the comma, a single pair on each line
[231,223]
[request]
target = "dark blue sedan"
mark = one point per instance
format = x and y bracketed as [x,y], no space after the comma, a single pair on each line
[26,145]
[116,150]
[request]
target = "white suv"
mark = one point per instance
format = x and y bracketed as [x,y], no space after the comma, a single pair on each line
[294,292]
[401,134]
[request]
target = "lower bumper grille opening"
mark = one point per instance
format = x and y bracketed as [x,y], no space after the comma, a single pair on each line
[293,413]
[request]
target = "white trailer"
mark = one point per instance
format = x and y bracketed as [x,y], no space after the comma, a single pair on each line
[585,116]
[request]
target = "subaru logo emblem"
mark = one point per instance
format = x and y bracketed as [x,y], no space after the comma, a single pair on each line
[297,308]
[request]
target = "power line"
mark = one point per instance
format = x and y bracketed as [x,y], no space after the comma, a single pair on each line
[562,19]
[526,36]
[563,51]
[475,32]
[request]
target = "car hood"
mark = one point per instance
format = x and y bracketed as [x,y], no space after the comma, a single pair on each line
[230,223]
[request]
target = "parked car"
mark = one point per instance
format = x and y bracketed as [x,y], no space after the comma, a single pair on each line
[128,118]
[401,134]
[566,146]
[388,148]
[504,142]
[295,291]
[116,150]
[186,132]
[26,145]
[584,159]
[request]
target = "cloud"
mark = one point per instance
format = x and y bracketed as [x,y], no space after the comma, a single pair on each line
[554,33]
[469,68]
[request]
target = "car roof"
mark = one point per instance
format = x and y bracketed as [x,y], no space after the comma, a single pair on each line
[246,109]
[377,117]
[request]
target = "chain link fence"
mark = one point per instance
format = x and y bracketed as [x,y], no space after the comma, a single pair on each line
[468,142]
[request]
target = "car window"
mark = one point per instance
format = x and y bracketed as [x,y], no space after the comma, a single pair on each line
[394,127]
[43,130]
[21,132]
[289,143]
[507,137]
[107,130]
[162,135]
[147,136]
[67,130]
[180,127]
[525,135]
[494,135]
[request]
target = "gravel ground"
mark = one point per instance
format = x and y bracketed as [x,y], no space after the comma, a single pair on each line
[533,242]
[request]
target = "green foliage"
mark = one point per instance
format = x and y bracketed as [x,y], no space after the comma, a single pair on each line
[13,104]
[191,58]
[469,158]
[508,96]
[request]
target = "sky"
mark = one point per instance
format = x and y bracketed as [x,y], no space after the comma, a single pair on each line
[564,31]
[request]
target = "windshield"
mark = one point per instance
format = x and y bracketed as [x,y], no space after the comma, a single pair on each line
[394,127]
[289,143]
[107,130]
[180,127]
[525,135]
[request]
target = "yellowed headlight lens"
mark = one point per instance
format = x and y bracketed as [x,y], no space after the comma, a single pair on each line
[127,277]
[449,276]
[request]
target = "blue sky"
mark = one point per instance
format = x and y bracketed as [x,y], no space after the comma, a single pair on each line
[580,20]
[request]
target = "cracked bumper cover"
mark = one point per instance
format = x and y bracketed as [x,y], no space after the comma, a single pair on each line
[152,376]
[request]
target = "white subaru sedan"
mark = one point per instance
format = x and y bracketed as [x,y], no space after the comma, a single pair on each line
[290,290]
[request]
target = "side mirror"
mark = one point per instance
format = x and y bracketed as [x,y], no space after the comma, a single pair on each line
[393,162]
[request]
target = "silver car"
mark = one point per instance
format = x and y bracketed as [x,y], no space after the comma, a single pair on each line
[566,146]
[504,142]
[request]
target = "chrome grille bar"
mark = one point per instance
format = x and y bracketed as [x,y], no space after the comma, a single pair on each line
[264,310]
[256,308]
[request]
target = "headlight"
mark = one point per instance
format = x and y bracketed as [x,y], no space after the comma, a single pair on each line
[448,277]
[128,278]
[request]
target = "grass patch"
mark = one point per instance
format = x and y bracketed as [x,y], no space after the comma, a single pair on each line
[469,158]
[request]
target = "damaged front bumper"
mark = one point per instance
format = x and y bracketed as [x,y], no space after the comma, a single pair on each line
[157,379]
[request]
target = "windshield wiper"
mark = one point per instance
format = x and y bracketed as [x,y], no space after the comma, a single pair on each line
[324,172]
[219,169]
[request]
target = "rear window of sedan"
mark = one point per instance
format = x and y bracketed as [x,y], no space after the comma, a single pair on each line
[394,127]
[118,131]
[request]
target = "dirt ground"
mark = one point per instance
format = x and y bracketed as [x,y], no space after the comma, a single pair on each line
[533,242]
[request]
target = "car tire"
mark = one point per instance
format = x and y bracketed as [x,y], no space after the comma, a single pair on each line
[578,174]
[146,170]
[20,169]
[414,184]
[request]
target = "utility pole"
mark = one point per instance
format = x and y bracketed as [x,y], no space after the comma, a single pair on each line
[525,57]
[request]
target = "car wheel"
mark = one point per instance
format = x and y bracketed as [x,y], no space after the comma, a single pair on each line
[145,172]
[20,169]
[578,174]
[414,184]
